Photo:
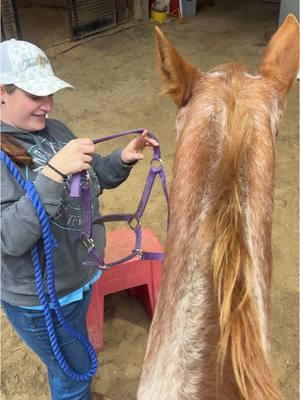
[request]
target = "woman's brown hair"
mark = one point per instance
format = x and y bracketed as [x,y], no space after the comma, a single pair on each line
[10,146]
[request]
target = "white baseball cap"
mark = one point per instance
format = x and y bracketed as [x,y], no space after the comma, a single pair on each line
[27,67]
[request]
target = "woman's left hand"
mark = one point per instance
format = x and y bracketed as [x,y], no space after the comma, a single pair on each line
[134,150]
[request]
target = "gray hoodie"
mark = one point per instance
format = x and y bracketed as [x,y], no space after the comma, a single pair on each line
[20,228]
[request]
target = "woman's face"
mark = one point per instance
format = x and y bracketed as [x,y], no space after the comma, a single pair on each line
[24,110]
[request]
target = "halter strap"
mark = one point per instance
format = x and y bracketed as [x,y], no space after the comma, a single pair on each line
[80,187]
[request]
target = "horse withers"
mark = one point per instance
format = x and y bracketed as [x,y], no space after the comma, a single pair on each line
[209,338]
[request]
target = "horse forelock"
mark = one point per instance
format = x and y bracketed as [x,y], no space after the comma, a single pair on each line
[223,102]
[227,89]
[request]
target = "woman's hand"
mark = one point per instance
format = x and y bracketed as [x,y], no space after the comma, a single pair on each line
[74,157]
[134,150]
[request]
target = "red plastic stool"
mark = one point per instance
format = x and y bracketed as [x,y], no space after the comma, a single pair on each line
[141,277]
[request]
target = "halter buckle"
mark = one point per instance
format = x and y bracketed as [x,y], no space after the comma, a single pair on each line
[86,179]
[88,242]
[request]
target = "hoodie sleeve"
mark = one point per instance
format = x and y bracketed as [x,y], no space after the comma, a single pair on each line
[20,226]
[111,170]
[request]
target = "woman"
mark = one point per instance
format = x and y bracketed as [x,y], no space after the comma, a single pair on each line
[47,153]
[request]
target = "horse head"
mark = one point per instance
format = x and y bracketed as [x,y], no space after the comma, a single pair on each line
[209,338]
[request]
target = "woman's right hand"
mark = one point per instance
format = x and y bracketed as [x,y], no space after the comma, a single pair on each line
[74,157]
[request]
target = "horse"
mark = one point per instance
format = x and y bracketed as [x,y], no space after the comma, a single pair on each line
[209,338]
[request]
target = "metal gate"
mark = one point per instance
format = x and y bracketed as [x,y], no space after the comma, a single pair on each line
[90,16]
[86,16]
[10,27]
[124,10]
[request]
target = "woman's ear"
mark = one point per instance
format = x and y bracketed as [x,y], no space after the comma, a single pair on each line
[2,94]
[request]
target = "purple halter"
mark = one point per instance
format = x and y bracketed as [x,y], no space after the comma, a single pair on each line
[80,188]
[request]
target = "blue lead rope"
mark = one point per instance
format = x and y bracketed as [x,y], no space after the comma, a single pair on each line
[49,244]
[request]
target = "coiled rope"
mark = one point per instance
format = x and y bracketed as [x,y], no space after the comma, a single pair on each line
[49,244]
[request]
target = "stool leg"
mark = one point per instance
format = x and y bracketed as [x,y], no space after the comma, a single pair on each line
[144,294]
[95,318]
[147,294]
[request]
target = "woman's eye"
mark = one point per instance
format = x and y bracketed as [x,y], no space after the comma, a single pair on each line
[37,98]
[33,97]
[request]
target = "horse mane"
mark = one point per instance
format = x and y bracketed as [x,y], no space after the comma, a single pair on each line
[232,266]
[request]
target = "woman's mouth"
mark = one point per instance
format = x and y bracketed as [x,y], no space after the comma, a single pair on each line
[39,116]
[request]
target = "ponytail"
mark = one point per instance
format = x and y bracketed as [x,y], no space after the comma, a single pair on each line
[15,151]
[10,146]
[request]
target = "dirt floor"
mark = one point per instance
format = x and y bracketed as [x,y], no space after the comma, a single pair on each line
[117,88]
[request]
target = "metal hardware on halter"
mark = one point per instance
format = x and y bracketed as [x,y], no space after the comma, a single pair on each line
[85,179]
[103,267]
[88,242]
[136,220]
[139,252]
[88,177]
[156,160]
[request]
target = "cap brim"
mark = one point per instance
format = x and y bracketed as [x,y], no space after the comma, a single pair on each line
[43,86]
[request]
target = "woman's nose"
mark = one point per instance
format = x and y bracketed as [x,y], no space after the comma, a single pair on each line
[47,103]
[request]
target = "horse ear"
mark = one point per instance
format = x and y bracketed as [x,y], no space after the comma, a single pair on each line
[175,72]
[281,59]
